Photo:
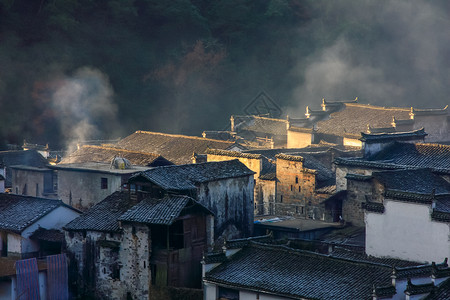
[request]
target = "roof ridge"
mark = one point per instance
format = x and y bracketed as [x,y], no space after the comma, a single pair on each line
[377,107]
[183,136]
[233,153]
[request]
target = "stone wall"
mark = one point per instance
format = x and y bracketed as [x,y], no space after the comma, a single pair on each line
[267,193]
[357,192]
[295,188]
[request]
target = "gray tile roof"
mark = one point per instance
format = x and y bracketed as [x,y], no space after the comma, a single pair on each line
[160,211]
[91,153]
[397,136]
[29,158]
[185,177]
[18,212]
[402,155]
[271,126]
[176,148]
[413,181]
[299,274]
[442,292]
[104,215]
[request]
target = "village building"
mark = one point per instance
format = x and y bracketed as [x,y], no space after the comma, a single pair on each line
[407,214]
[81,185]
[225,188]
[105,154]
[26,224]
[256,269]
[173,147]
[29,158]
[342,123]
[123,246]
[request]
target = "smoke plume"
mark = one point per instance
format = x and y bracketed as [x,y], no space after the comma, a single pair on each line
[84,104]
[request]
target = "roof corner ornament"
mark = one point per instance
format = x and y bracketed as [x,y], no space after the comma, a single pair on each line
[369,129]
[411,113]
[356,99]
[324,105]
[307,114]
[394,122]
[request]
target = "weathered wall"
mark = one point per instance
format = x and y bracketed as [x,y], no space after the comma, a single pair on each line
[342,171]
[352,142]
[253,164]
[357,193]
[83,189]
[265,203]
[34,182]
[231,201]
[297,139]
[295,188]
[406,231]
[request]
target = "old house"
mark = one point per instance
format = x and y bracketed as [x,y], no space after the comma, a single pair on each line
[29,158]
[25,220]
[174,147]
[82,185]
[407,214]
[122,247]
[264,181]
[225,188]
[342,122]
[105,154]
[260,270]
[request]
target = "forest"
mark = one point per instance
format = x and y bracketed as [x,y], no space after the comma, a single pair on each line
[101,69]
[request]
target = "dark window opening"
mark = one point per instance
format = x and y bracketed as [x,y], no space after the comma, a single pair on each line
[104,183]
[281,198]
[291,187]
[176,235]
[299,189]
[133,230]
[296,179]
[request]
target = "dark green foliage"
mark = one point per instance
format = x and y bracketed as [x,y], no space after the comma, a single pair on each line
[175,66]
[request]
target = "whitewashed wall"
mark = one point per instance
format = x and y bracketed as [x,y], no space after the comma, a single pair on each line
[406,231]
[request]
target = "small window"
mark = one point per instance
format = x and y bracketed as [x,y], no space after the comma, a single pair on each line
[104,183]
[299,189]
[281,198]
[291,187]
[296,179]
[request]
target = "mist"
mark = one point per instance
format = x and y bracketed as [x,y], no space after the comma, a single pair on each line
[400,57]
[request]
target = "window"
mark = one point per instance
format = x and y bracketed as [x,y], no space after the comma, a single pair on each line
[296,179]
[291,187]
[104,183]
[281,198]
[299,189]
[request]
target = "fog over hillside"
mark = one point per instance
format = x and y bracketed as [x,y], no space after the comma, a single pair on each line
[72,70]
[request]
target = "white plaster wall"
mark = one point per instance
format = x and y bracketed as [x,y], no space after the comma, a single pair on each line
[14,243]
[209,291]
[56,219]
[406,231]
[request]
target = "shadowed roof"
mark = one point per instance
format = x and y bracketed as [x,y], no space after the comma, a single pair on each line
[186,177]
[18,212]
[29,158]
[299,274]
[176,148]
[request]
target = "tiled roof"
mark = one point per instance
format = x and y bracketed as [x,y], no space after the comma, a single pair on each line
[341,252]
[175,148]
[89,153]
[401,155]
[217,257]
[442,292]
[373,207]
[289,157]
[260,125]
[413,181]
[185,177]
[18,212]
[299,274]
[417,289]
[239,243]
[354,118]
[383,137]
[160,211]
[29,158]
[103,216]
